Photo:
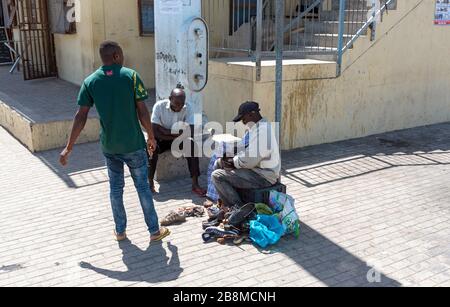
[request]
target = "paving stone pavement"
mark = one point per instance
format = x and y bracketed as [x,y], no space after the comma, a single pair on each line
[375,212]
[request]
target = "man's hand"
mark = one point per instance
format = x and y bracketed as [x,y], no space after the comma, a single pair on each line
[64,156]
[228,164]
[78,125]
[151,144]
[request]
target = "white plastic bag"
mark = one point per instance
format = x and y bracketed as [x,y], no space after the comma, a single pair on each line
[283,204]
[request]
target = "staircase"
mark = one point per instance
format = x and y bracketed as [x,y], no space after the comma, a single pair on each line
[320,34]
[311,27]
[316,34]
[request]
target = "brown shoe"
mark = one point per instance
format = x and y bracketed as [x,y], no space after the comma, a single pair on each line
[120,236]
[162,233]
[173,217]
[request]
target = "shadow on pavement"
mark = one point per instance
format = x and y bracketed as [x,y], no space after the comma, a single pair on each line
[86,165]
[324,164]
[152,265]
[329,263]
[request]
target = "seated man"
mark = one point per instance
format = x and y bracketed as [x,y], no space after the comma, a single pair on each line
[166,113]
[258,166]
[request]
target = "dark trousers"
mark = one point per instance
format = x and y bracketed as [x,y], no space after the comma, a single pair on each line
[227,182]
[162,146]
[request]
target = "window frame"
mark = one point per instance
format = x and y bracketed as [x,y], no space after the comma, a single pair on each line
[141,28]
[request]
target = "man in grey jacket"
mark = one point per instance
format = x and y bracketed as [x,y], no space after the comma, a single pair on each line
[258,166]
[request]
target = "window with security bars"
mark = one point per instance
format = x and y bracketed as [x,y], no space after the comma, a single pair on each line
[146,17]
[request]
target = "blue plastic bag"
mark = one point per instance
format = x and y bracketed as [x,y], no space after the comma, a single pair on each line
[266,230]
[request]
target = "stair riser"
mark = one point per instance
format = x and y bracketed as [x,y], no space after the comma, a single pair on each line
[351,4]
[349,16]
[331,28]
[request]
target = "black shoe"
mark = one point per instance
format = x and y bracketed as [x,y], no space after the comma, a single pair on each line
[212,223]
[239,216]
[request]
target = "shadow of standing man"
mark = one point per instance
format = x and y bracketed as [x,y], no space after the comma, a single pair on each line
[151,265]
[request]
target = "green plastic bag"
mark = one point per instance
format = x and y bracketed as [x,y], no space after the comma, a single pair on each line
[263,209]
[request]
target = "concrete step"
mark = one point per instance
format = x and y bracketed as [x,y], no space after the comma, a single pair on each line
[170,168]
[320,39]
[305,51]
[332,27]
[350,15]
[351,4]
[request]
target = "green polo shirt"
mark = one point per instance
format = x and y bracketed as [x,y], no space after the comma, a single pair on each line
[114,91]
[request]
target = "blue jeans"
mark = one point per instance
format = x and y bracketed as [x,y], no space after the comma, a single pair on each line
[137,163]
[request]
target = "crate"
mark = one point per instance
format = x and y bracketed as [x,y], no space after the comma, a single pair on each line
[260,195]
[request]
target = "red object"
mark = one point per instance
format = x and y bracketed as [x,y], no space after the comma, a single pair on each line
[109,73]
[440,22]
[199,192]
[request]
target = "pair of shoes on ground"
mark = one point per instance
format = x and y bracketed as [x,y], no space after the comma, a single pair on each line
[211,223]
[192,211]
[217,232]
[174,217]
[208,204]
[213,212]
[163,232]
[179,215]
[240,214]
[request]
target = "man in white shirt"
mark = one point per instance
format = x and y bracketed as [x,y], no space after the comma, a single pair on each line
[257,166]
[166,113]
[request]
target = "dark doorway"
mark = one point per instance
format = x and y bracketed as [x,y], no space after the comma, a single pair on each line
[36,40]
[5,53]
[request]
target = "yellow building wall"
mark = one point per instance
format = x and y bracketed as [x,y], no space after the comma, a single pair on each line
[399,81]
[75,53]
[117,20]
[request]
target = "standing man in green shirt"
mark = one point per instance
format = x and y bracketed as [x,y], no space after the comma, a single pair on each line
[118,95]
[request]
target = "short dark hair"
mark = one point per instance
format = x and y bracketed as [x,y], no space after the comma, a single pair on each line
[108,49]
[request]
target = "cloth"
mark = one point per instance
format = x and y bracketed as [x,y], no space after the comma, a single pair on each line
[163,146]
[211,190]
[226,183]
[164,116]
[115,90]
[221,150]
[262,155]
[137,163]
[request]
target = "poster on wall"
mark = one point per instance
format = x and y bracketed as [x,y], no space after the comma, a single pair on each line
[442,15]
[171,7]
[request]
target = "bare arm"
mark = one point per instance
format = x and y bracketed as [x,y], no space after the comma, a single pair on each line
[144,119]
[78,125]
[163,134]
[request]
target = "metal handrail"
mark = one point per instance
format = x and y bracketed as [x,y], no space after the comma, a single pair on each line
[367,25]
[14,55]
[311,27]
[371,22]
